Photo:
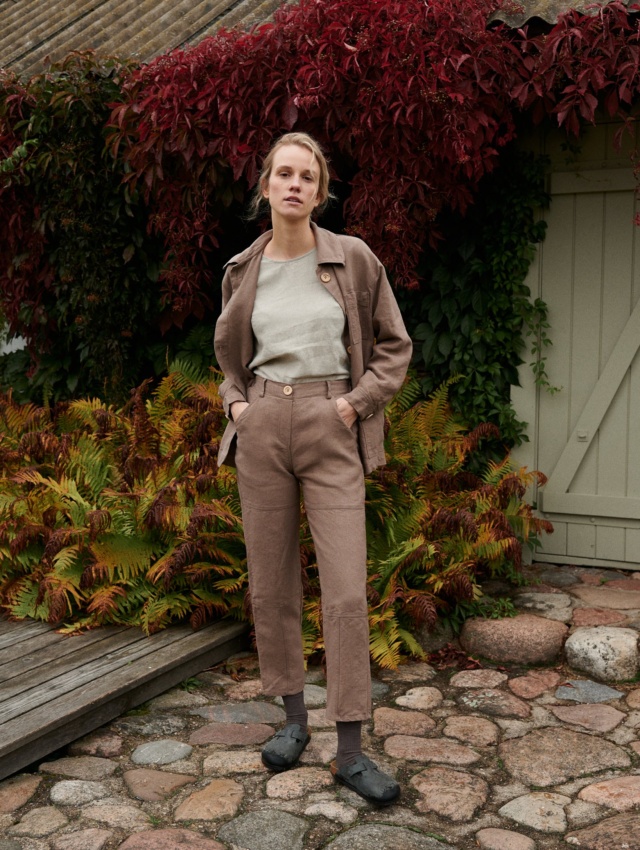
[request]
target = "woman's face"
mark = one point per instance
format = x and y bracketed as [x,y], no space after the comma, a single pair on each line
[292,187]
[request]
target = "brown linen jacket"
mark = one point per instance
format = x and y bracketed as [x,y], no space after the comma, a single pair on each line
[375,336]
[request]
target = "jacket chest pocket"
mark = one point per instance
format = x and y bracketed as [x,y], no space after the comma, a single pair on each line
[359,314]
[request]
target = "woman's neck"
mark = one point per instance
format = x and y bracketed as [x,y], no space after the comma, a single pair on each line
[290,240]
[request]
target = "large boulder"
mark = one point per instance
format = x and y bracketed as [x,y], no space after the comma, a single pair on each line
[604,652]
[525,639]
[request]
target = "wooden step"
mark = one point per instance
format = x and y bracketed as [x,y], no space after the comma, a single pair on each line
[56,688]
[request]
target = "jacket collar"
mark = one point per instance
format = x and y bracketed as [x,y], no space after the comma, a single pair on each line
[328,246]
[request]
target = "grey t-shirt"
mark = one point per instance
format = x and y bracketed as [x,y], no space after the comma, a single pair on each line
[297,324]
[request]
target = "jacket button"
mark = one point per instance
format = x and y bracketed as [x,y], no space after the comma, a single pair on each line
[325,277]
[287,390]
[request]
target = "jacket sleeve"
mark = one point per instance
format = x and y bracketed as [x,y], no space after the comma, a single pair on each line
[228,390]
[391,354]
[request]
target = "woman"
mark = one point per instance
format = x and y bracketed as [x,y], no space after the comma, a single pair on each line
[312,347]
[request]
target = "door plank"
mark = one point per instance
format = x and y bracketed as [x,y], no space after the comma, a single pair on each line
[555,497]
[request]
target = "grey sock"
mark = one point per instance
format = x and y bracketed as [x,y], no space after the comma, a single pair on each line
[349,742]
[295,708]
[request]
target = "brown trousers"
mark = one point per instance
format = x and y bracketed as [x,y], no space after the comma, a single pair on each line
[291,437]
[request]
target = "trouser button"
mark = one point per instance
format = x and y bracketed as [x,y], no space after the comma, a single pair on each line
[287,390]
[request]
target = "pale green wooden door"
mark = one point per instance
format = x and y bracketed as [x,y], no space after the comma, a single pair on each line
[586,438]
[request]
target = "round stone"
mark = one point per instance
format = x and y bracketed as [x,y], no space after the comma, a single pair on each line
[541,810]
[503,839]
[478,679]
[154,785]
[267,829]
[219,799]
[17,791]
[606,653]
[340,812]
[232,733]
[161,752]
[598,718]
[622,793]
[84,767]
[392,721]
[116,814]
[550,756]
[178,698]
[553,606]
[223,762]
[477,731]
[39,822]
[169,839]
[429,749]
[494,703]
[584,617]
[243,712]
[296,783]
[75,792]
[83,839]
[535,683]
[420,698]
[618,831]
[382,836]
[450,793]
[609,597]
[524,639]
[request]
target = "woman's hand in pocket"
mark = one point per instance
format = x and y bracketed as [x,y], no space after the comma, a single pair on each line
[347,413]
[237,409]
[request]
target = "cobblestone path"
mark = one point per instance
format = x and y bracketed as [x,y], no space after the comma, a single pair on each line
[505,757]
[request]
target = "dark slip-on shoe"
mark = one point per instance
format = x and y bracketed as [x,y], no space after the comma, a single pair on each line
[366,779]
[285,748]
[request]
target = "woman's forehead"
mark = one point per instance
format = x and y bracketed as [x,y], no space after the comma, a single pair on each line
[296,155]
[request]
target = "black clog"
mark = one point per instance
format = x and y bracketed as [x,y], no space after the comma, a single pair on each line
[366,779]
[285,748]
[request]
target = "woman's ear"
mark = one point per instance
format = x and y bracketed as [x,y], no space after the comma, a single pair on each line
[264,188]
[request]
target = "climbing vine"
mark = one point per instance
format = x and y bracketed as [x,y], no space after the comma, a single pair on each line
[468,317]
[122,188]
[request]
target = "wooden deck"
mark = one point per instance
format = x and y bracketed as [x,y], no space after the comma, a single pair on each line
[56,688]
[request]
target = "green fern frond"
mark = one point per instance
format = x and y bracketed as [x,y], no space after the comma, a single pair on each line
[122,557]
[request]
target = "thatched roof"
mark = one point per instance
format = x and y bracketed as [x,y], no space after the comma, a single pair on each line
[518,12]
[33,30]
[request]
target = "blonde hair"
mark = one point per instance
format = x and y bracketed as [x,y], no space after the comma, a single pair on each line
[259,204]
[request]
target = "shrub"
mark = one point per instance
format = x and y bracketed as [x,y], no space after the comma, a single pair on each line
[435,529]
[122,516]
[78,269]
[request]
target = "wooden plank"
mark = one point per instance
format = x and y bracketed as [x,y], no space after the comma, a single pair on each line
[46,655]
[592,181]
[32,736]
[10,654]
[12,633]
[66,675]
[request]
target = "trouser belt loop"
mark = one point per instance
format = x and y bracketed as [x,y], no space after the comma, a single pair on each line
[328,389]
[262,384]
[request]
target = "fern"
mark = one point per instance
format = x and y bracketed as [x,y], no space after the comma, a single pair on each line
[122,516]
